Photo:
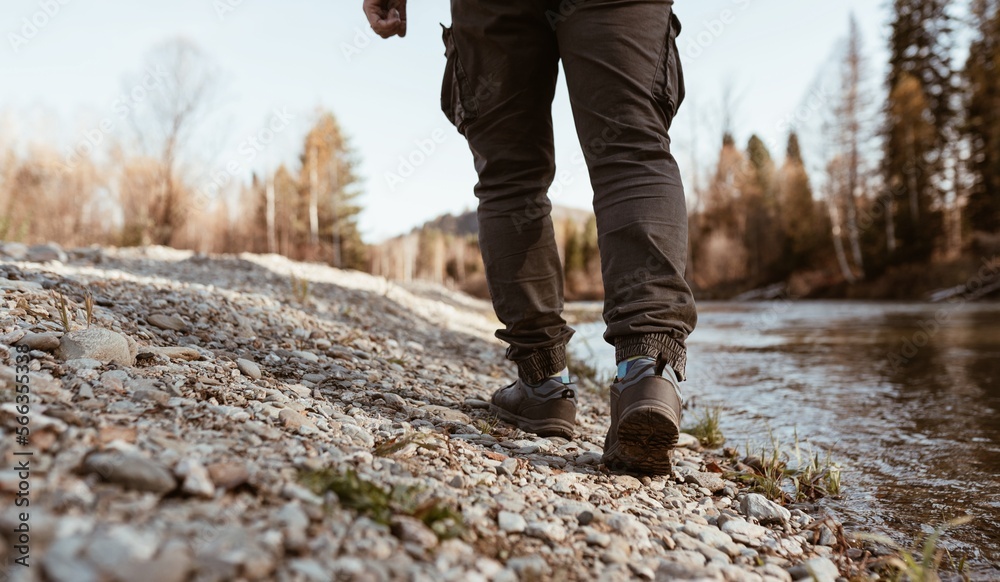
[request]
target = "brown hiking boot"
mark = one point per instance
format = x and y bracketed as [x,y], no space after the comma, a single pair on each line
[645,420]
[546,409]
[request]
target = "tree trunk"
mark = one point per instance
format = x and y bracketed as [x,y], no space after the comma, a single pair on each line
[272,242]
[313,202]
[334,189]
[838,243]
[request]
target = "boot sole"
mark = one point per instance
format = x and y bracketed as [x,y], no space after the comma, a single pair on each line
[549,427]
[647,432]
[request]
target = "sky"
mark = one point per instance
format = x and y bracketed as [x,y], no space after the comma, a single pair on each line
[64,63]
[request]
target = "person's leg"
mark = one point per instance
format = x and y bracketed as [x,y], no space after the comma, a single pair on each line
[625,84]
[503,65]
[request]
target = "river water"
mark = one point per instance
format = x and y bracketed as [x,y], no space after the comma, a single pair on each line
[906,397]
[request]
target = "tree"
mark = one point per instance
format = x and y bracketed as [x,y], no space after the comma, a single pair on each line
[850,112]
[982,125]
[758,205]
[717,233]
[919,123]
[178,89]
[329,181]
[799,220]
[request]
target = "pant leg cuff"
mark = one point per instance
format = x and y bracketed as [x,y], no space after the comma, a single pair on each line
[542,364]
[653,345]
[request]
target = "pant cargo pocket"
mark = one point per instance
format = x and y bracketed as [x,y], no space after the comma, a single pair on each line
[457,99]
[668,83]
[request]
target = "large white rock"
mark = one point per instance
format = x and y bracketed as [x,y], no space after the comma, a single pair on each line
[763,509]
[96,343]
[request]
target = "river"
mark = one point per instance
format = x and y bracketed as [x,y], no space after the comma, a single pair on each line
[906,397]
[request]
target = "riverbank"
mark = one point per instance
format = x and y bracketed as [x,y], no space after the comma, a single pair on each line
[266,419]
[901,395]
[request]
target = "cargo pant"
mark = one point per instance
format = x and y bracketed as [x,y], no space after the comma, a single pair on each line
[625,84]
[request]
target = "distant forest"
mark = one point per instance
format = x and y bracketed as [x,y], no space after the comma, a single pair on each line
[907,202]
[901,197]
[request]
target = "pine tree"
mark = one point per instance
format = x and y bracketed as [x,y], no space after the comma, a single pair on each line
[982,126]
[799,220]
[328,182]
[919,122]
[759,204]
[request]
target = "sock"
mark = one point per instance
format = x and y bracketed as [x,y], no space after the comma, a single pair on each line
[625,365]
[562,376]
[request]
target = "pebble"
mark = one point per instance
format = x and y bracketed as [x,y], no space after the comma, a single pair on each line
[44,253]
[248,368]
[293,420]
[14,250]
[175,352]
[744,528]
[815,570]
[414,531]
[826,537]
[47,342]
[228,475]
[508,466]
[444,413]
[546,530]
[131,471]
[710,481]
[307,356]
[511,522]
[166,322]
[394,400]
[96,343]
[763,509]
[294,522]
[686,441]
[196,480]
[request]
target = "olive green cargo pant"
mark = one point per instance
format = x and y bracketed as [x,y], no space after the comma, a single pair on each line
[625,84]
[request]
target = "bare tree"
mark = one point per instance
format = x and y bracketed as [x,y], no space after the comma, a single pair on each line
[178,89]
[850,111]
[835,184]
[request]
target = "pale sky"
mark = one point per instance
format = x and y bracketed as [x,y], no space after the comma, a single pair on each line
[299,55]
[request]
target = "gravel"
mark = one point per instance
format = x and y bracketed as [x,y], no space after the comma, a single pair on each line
[262,435]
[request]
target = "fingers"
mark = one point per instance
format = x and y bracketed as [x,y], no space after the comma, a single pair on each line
[385,23]
[400,7]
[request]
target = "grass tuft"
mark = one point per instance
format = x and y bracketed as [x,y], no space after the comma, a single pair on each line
[707,428]
[88,304]
[300,289]
[923,562]
[65,316]
[789,476]
[380,504]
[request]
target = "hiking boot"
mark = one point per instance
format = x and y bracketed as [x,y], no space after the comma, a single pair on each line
[645,420]
[546,409]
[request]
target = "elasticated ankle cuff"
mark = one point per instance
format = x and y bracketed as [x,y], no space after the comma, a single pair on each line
[542,364]
[653,346]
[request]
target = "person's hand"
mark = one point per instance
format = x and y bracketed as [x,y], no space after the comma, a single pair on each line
[387,17]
